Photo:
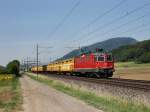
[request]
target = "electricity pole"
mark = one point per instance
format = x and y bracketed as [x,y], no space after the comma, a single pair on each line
[37,58]
[27,64]
[37,55]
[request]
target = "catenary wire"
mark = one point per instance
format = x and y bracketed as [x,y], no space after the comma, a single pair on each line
[64,19]
[124,24]
[99,17]
[113,21]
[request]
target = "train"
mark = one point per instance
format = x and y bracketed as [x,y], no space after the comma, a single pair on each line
[93,64]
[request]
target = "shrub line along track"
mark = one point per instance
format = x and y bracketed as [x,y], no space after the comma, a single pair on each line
[129,83]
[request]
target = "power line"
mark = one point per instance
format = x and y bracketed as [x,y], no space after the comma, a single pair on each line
[115,20]
[105,13]
[131,21]
[124,24]
[100,16]
[28,63]
[148,27]
[137,27]
[64,19]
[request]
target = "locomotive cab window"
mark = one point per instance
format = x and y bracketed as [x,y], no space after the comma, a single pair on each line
[99,58]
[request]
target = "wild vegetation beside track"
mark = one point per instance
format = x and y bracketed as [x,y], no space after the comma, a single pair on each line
[108,104]
[10,94]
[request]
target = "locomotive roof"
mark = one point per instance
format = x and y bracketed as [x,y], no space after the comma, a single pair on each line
[60,61]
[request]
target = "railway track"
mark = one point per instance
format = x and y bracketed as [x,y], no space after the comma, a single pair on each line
[135,84]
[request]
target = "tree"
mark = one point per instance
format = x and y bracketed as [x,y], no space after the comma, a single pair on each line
[13,67]
[145,58]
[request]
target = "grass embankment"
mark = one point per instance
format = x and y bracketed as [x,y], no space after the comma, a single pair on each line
[10,94]
[108,104]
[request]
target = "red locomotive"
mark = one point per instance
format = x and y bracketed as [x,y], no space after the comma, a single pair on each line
[95,64]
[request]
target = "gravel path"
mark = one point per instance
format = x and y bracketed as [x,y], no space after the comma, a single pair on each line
[41,98]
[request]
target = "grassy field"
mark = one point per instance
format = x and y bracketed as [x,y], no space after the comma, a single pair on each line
[131,64]
[10,94]
[108,104]
[131,70]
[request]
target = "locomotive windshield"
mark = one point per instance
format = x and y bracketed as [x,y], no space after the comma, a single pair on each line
[109,58]
[99,58]
[103,58]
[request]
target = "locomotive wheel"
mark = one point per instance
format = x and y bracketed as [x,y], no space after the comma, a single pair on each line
[89,75]
[106,75]
[110,74]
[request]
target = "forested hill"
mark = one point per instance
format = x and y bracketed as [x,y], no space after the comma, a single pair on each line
[139,52]
[108,45]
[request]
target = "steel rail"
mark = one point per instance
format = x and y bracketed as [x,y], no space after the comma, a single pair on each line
[128,83]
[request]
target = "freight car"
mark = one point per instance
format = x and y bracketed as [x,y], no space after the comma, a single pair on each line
[99,64]
[39,69]
[63,66]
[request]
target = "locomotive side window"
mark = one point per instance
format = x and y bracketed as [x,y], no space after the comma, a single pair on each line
[87,58]
[81,59]
[109,58]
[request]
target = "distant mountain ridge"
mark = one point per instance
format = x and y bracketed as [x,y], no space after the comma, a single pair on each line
[108,45]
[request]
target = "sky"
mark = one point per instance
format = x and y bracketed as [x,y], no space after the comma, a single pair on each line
[59,24]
